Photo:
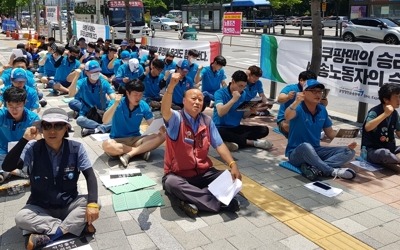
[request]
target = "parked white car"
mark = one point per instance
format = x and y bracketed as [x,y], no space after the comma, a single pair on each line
[330,22]
[163,23]
[371,29]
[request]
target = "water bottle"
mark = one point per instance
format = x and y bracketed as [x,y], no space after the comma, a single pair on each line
[363,156]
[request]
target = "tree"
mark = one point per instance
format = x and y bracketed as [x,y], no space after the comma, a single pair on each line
[128,19]
[316,36]
[69,26]
[151,4]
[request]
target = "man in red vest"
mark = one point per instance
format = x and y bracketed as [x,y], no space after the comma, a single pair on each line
[187,168]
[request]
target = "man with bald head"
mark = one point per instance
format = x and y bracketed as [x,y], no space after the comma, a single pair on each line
[187,168]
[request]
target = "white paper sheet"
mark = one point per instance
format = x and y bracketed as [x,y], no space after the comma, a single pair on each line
[124,173]
[100,137]
[329,193]
[17,53]
[108,182]
[154,126]
[366,166]
[224,188]
[11,144]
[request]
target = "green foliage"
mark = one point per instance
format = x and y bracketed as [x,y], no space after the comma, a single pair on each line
[154,4]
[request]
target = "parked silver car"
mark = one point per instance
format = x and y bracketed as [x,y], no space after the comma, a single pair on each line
[330,22]
[372,30]
[163,23]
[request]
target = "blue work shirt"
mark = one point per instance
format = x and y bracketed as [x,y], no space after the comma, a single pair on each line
[252,89]
[104,61]
[151,86]
[283,106]
[125,122]
[49,68]
[168,67]
[174,122]
[65,68]
[32,99]
[124,71]
[90,93]
[305,127]
[181,87]
[117,64]
[6,78]
[193,71]
[233,117]
[11,130]
[210,80]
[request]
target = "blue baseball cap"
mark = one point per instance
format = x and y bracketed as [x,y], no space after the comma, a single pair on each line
[92,66]
[312,84]
[19,74]
[134,55]
[125,54]
[184,65]
[124,43]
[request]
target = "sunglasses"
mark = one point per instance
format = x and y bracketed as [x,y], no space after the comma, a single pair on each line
[56,126]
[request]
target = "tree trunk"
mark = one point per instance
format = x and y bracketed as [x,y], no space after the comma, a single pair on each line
[316,36]
[69,24]
[128,19]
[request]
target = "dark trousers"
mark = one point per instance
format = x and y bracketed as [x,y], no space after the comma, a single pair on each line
[194,190]
[242,133]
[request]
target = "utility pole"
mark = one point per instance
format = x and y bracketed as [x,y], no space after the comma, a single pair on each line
[98,11]
[69,21]
[37,17]
[59,20]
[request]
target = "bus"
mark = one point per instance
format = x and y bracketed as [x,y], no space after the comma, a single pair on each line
[113,14]
[254,12]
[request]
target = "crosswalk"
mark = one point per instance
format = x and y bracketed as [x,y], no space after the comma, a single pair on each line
[241,62]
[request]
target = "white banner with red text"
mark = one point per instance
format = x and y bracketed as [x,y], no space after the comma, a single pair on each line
[180,48]
[351,70]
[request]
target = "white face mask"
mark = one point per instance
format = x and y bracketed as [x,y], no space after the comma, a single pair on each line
[95,76]
[192,60]
[125,61]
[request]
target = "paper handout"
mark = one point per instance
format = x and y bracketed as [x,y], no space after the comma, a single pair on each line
[124,173]
[344,137]
[154,126]
[224,188]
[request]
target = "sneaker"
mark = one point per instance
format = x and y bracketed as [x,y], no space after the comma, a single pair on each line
[19,173]
[344,173]
[43,103]
[233,206]
[37,240]
[124,159]
[190,209]
[146,156]
[88,230]
[87,131]
[232,146]
[155,105]
[310,172]
[55,92]
[264,144]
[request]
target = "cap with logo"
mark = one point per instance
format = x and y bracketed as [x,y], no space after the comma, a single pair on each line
[184,65]
[19,74]
[312,84]
[92,66]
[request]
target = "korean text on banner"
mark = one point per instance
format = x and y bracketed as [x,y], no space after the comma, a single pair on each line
[232,23]
[52,14]
[208,50]
[9,25]
[351,70]
[90,31]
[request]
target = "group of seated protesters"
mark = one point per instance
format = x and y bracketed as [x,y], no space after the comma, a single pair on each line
[127,88]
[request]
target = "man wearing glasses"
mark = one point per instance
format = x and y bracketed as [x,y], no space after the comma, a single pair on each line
[14,119]
[54,207]
[307,117]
